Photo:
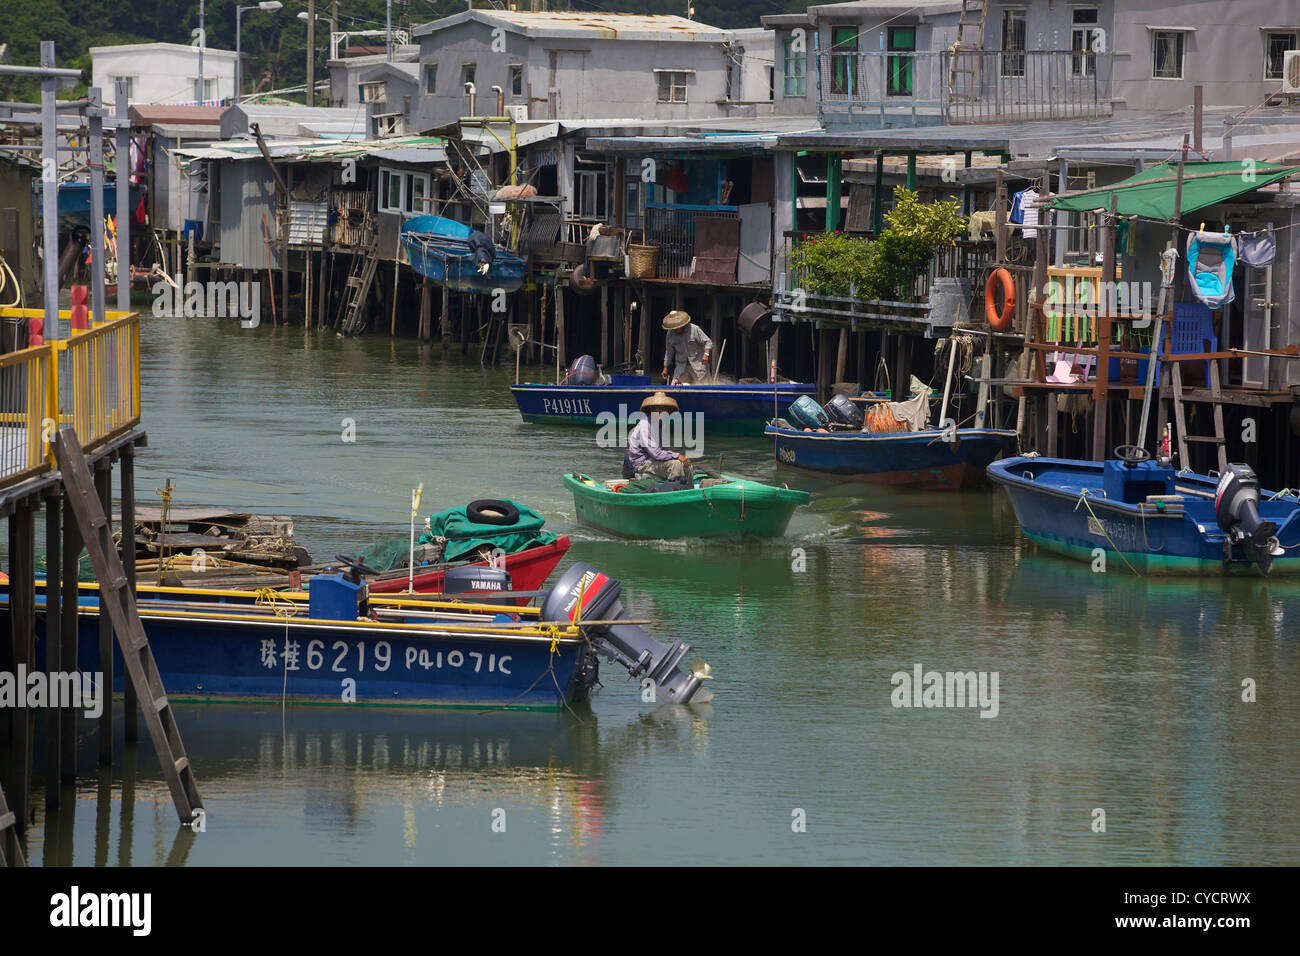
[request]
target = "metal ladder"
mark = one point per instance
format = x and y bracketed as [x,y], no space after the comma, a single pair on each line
[9,836]
[972,17]
[118,598]
[358,285]
[1180,416]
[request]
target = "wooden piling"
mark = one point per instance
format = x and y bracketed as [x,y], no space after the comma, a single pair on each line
[103,488]
[130,706]
[53,642]
[22,617]
[68,636]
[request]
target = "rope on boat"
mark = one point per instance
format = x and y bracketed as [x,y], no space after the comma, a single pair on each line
[1083,500]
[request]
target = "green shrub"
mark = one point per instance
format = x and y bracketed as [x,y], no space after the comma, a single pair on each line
[832,263]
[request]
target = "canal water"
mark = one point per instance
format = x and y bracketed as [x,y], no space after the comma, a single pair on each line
[1114,693]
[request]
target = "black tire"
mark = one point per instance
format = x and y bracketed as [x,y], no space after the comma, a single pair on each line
[492,511]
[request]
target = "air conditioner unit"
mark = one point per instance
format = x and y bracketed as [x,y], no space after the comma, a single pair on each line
[1291,71]
[518,112]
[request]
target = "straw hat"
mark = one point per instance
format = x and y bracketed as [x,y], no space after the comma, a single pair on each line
[677,319]
[659,402]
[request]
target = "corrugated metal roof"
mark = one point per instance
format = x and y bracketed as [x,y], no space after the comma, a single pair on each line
[609,26]
[322,150]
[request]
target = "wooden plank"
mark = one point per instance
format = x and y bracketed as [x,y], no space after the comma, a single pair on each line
[116,594]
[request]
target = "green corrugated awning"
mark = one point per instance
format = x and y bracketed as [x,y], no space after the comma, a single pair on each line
[1151,192]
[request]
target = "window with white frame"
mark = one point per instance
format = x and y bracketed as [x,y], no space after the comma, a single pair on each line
[1167,48]
[1276,43]
[208,89]
[590,188]
[1013,43]
[1085,40]
[130,85]
[672,85]
[430,79]
[402,192]
[374,92]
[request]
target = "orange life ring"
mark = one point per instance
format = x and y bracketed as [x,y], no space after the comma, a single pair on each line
[1001,321]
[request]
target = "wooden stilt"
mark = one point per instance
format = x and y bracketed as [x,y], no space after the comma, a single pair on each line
[103,488]
[68,636]
[53,643]
[22,616]
[130,705]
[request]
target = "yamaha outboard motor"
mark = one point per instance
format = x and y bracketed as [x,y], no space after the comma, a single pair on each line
[808,414]
[582,371]
[628,644]
[475,580]
[844,411]
[1236,506]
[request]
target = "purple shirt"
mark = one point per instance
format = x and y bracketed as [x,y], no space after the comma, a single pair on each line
[643,445]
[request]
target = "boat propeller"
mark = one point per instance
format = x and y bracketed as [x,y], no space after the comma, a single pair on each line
[584,593]
[1236,508]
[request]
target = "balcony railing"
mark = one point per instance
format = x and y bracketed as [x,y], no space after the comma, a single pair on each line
[964,86]
[674,228]
[90,381]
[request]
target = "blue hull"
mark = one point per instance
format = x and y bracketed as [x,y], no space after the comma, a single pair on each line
[438,249]
[743,409]
[1061,506]
[912,459]
[238,653]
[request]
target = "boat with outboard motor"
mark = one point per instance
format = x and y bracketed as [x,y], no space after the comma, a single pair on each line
[588,396]
[836,440]
[338,643]
[1156,520]
[714,506]
[453,254]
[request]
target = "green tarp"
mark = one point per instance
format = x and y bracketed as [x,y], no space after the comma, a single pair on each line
[1151,192]
[465,537]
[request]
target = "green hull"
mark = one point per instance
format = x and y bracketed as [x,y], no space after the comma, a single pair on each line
[744,508]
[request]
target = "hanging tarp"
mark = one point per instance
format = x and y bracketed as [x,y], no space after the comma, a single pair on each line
[1151,193]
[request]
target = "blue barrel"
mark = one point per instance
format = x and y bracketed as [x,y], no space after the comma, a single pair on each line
[808,414]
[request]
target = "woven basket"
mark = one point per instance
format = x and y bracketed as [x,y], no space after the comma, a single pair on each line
[643,261]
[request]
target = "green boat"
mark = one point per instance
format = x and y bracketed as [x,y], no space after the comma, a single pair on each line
[718,506]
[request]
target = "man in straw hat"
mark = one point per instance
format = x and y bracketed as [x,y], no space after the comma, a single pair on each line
[686,350]
[646,457]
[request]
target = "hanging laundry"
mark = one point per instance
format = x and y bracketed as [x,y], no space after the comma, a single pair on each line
[1256,249]
[1029,212]
[1210,259]
[1018,207]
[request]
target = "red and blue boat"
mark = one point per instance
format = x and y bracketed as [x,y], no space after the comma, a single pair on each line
[1150,519]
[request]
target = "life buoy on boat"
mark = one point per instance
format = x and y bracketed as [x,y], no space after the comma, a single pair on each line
[1000,320]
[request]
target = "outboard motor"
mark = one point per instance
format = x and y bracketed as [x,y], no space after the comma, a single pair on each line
[844,411]
[808,414]
[628,644]
[478,580]
[1236,507]
[582,371]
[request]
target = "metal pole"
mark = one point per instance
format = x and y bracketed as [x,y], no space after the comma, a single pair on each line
[95,119]
[239,55]
[388,46]
[203,41]
[50,192]
[122,141]
[311,52]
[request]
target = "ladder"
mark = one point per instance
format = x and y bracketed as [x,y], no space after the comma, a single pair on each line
[970,39]
[1180,416]
[357,289]
[9,836]
[118,598]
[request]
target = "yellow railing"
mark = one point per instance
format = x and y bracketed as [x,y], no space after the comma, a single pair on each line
[90,381]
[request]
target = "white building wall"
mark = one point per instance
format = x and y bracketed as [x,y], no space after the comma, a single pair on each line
[163,72]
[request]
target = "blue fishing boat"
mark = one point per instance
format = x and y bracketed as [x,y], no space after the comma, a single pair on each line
[725,409]
[74,202]
[1156,520]
[451,253]
[933,458]
[338,644]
